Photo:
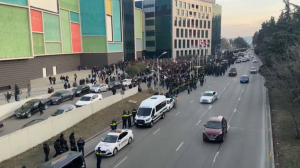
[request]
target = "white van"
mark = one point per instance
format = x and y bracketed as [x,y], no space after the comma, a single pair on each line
[151,110]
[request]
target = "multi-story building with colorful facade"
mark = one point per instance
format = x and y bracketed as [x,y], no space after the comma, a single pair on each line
[39,38]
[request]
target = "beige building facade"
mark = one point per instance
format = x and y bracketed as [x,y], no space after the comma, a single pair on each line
[192,24]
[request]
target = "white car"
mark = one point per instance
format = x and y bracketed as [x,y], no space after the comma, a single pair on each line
[254,61]
[63,109]
[99,88]
[126,82]
[114,141]
[209,97]
[244,60]
[87,99]
[170,103]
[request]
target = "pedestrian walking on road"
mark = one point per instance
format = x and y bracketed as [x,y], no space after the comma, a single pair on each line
[50,79]
[17,92]
[80,145]
[57,148]
[7,96]
[41,106]
[133,114]
[54,80]
[46,151]
[28,91]
[129,116]
[61,140]
[75,77]
[124,119]
[99,157]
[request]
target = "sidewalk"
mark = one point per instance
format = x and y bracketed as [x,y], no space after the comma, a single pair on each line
[40,86]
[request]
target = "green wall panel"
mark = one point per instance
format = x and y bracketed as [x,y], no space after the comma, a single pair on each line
[70,4]
[51,27]
[116,18]
[53,48]
[94,44]
[14,32]
[137,24]
[15,2]
[38,43]
[65,31]
[74,17]
[115,47]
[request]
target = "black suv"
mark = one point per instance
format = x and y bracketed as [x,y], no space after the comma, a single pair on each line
[232,72]
[31,107]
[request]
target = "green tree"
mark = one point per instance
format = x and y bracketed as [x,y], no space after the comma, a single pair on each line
[132,70]
[225,44]
[240,42]
[141,67]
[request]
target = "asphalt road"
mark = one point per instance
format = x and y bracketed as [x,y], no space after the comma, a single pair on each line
[176,141]
[13,124]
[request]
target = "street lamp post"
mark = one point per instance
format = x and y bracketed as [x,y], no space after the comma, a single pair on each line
[158,70]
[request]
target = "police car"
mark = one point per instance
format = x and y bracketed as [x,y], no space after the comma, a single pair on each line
[114,141]
[209,97]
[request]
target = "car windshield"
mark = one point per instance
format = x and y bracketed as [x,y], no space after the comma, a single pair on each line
[244,77]
[85,98]
[110,138]
[144,111]
[27,104]
[207,94]
[57,94]
[124,80]
[214,125]
[253,68]
[97,85]
[58,112]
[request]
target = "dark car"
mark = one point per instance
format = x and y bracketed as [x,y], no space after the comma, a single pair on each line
[1,126]
[60,96]
[68,159]
[114,84]
[32,122]
[232,72]
[244,79]
[30,107]
[81,90]
[215,129]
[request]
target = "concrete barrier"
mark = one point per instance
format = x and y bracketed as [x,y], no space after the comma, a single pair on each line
[29,137]
[9,109]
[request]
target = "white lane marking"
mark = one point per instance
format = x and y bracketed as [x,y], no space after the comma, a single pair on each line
[198,122]
[121,162]
[234,110]
[177,113]
[239,98]
[205,112]
[192,101]
[216,156]
[228,127]
[208,86]
[179,146]
[236,105]
[156,131]
[228,83]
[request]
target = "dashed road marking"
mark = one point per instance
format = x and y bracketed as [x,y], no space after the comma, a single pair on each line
[177,113]
[156,131]
[179,146]
[121,162]
[198,122]
[216,156]
[192,101]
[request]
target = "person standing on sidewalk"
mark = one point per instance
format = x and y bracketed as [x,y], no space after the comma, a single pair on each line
[99,157]
[124,119]
[46,151]
[41,108]
[75,77]
[80,145]
[50,79]
[28,91]
[7,96]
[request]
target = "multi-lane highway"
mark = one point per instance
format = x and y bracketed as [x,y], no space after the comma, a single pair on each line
[176,141]
[13,124]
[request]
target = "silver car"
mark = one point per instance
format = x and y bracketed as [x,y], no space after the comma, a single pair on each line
[63,109]
[253,70]
[97,88]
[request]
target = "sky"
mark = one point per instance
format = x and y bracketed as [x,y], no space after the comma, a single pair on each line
[244,17]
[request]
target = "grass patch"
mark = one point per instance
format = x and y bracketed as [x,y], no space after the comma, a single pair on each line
[86,128]
[286,146]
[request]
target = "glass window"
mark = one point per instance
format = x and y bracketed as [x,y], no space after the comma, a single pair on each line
[198,33]
[208,24]
[191,13]
[181,32]
[199,15]
[144,111]
[201,8]
[179,43]
[177,32]
[183,43]
[180,4]
[206,33]
[197,7]
[186,33]
[188,23]
[189,6]
[195,14]
[193,6]
[194,52]
[182,12]
[200,23]
[203,15]
[204,24]
[201,52]
[190,52]
[183,22]
[197,24]
[177,53]
[207,16]
[205,9]
[181,53]
[202,33]
[185,52]
[188,43]
[175,21]
[186,13]
[178,11]
[179,24]
[175,43]
[209,9]
[176,3]
[192,23]
[184,5]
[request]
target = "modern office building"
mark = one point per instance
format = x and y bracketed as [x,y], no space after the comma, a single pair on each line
[177,26]
[216,28]
[39,38]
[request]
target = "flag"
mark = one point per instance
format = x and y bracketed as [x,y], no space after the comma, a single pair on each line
[202,43]
[165,77]
[207,43]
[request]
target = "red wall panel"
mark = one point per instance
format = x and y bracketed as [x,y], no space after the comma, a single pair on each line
[36,21]
[76,38]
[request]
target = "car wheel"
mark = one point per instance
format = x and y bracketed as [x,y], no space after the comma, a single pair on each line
[163,116]
[204,139]
[99,91]
[168,109]
[115,151]
[223,138]
[28,115]
[151,124]
[45,106]
[129,141]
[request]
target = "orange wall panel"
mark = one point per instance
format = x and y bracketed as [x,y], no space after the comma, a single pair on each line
[36,21]
[76,38]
